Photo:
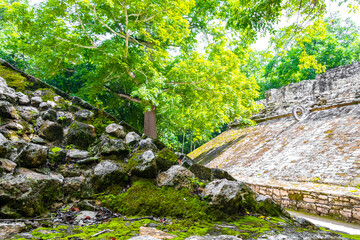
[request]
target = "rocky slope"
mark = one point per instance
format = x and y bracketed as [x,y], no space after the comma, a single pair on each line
[58,152]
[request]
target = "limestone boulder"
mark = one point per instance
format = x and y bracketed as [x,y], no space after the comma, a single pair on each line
[231,197]
[143,164]
[177,177]
[51,131]
[32,156]
[7,110]
[108,173]
[165,159]
[115,130]
[80,135]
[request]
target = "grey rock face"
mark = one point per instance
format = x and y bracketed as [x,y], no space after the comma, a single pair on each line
[229,195]
[219,237]
[106,167]
[28,113]
[115,130]
[81,135]
[7,110]
[78,154]
[146,144]
[32,156]
[23,99]
[7,165]
[7,230]
[6,93]
[106,174]
[65,118]
[84,115]
[144,237]
[47,105]
[14,126]
[6,148]
[49,115]
[73,185]
[35,101]
[143,164]
[132,137]
[51,131]
[177,177]
[113,146]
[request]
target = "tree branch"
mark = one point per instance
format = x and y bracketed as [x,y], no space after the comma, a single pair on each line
[75,44]
[123,95]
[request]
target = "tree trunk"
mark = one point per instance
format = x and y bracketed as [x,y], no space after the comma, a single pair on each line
[150,123]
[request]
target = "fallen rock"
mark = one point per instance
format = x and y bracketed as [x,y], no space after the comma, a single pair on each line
[7,230]
[7,110]
[231,197]
[153,232]
[80,135]
[51,131]
[177,177]
[115,130]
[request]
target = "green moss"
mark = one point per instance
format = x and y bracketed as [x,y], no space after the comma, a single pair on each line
[14,79]
[296,197]
[144,199]
[49,94]
[100,123]
[165,159]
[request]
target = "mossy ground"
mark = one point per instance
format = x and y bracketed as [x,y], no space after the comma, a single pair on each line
[14,79]
[244,227]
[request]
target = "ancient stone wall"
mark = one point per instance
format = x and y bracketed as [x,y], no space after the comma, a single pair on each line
[342,207]
[338,86]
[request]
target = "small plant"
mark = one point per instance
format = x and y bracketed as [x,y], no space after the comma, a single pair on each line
[55,149]
[69,147]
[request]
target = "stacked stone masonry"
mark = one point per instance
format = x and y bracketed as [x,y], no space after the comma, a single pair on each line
[338,86]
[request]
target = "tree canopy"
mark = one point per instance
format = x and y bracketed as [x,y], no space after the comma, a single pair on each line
[183,60]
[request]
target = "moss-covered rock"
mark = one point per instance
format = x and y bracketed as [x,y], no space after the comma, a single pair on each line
[80,135]
[143,164]
[51,131]
[32,156]
[201,172]
[165,159]
[14,79]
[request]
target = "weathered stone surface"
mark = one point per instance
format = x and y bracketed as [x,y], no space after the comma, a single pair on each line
[84,115]
[217,173]
[147,144]
[177,177]
[108,173]
[143,164]
[49,115]
[230,196]
[7,230]
[38,140]
[115,130]
[132,138]
[35,101]
[77,154]
[165,159]
[219,237]
[51,131]
[6,165]
[14,126]
[74,185]
[149,231]
[29,193]
[81,135]
[6,93]
[144,237]
[32,156]
[110,146]
[201,172]
[6,148]
[23,99]
[65,118]
[7,110]
[28,113]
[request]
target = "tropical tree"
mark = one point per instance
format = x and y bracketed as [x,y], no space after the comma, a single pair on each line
[149,53]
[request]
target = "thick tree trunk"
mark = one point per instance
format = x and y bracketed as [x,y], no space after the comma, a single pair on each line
[150,123]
